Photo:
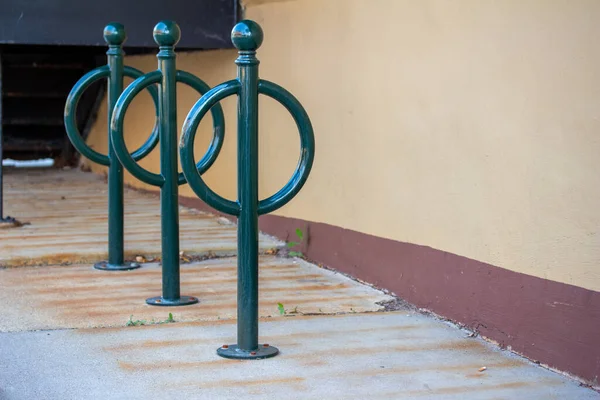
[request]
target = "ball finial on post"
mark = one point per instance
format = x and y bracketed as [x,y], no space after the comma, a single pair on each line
[167,33]
[247,35]
[114,34]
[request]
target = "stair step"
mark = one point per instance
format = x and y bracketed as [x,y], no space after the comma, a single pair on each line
[33,107]
[36,81]
[33,121]
[36,65]
[17,144]
[36,95]
[48,55]
[33,131]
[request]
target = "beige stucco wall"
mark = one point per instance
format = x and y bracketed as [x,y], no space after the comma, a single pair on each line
[469,126]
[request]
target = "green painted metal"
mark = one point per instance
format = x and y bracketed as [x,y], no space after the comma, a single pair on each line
[114,72]
[247,37]
[2,219]
[166,35]
[5,221]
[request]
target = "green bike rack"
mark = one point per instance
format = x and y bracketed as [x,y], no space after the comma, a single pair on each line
[247,37]
[166,35]
[114,71]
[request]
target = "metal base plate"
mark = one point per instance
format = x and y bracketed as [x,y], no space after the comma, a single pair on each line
[105,266]
[9,222]
[234,352]
[182,301]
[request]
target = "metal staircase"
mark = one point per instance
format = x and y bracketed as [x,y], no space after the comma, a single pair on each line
[35,83]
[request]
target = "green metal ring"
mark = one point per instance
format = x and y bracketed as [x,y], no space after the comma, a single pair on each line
[307,144]
[116,126]
[125,100]
[307,147]
[71,108]
[218,125]
[186,146]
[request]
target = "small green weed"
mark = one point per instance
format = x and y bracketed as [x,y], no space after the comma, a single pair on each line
[290,245]
[137,322]
[281,309]
[140,322]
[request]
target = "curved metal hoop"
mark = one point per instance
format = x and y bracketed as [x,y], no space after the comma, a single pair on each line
[218,125]
[186,146]
[121,107]
[71,109]
[307,145]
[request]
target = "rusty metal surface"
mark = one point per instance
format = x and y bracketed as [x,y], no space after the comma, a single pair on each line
[80,296]
[67,216]
[397,355]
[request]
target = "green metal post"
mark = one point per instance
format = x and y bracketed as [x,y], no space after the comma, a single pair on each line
[169,202]
[247,37]
[114,71]
[4,221]
[166,35]
[1,152]
[115,36]
[247,296]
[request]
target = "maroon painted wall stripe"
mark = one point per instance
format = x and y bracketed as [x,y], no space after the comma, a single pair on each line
[554,323]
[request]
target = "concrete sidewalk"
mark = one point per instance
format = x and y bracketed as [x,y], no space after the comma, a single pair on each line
[80,297]
[394,355]
[64,330]
[66,213]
